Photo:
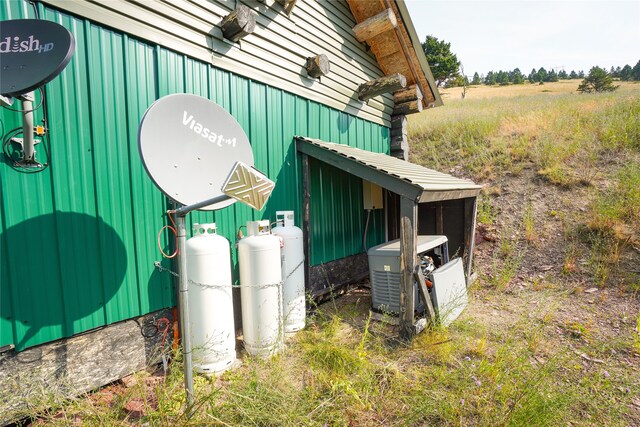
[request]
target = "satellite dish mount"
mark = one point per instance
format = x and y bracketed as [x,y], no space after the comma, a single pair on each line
[198,155]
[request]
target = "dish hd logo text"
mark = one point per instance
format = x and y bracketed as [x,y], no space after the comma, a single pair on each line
[18,45]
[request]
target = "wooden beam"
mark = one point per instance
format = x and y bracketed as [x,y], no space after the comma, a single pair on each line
[386,84]
[408,240]
[238,24]
[306,220]
[398,142]
[377,24]
[399,126]
[410,93]
[430,313]
[401,152]
[317,66]
[399,120]
[410,107]
[288,5]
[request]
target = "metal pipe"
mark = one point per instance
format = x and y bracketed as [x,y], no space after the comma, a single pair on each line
[183,302]
[186,209]
[28,151]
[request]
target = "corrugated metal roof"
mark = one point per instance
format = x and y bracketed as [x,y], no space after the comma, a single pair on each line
[407,179]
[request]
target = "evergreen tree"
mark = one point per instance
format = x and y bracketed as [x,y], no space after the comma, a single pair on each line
[636,72]
[598,80]
[573,74]
[626,73]
[617,73]
[516,77]
[581,74]
[542,75]
[444,64]
[476,79]
[533,76]
[502,77]
[562,75]
[490,79]
[552,76]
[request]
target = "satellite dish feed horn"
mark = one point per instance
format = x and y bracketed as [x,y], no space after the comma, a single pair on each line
[245,184]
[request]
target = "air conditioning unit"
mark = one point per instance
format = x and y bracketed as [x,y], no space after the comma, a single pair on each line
[384,271]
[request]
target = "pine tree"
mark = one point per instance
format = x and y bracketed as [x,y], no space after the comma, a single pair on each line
[573,74]
[502,77]
[562,75]
[598,80]
[552,76]
[636,72]
[476,79]
[516,77]
[533,76]
[542,75]
[444,64]
[626,73]
[490,79]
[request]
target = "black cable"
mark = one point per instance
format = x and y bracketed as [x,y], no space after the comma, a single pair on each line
[6,141]
[13,164]
[35,8]
[28,111]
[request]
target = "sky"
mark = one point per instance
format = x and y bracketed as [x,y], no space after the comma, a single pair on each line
[502,35]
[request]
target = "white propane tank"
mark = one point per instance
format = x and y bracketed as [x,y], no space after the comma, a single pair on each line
[213,335]
[293,292]
[260,289]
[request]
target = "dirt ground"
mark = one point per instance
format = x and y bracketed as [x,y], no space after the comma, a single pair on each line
[554,284]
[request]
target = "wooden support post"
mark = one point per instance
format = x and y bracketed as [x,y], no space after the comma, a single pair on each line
[287,5]
[317,66]
[410,93]
[410,107]
[386,84]
[369,28]
[430,312]
[238,24]
[408,241]
[306,219]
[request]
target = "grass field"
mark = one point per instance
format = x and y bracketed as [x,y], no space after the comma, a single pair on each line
[551,336]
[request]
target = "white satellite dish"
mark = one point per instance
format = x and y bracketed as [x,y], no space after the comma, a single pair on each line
[189,145]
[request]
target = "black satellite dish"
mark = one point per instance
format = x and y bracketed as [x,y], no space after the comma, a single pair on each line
[32,53]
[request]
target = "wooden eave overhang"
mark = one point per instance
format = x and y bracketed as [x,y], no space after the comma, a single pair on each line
[399,50]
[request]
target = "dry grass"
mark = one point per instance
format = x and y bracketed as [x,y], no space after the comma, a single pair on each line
[527,89]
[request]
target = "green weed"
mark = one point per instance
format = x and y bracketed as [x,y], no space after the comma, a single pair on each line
[486,212]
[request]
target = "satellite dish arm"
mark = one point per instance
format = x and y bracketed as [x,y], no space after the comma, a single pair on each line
[186,209]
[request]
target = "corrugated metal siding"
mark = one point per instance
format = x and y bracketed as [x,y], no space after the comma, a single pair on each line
[274,54]
[78,240]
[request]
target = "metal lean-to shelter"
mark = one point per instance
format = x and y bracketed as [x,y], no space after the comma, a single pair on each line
[415,186]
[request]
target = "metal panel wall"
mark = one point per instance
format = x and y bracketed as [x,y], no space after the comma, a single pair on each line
[78,240]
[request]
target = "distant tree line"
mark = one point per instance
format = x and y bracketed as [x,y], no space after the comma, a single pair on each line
[626,73]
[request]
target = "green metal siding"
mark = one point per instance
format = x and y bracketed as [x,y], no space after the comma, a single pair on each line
[78,241]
